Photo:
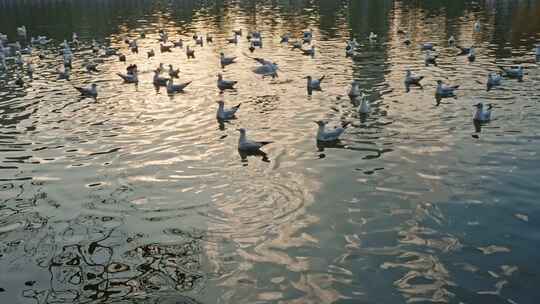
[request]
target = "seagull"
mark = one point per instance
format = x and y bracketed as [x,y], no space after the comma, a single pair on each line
[372,36]
[172,72]
[90,91]
[430,58]
[313,84]
[444,90]
[296,45]
[133,46]
[150,54]
[267,69]
[209,38]
[129,77]
[90,66]
[163,37]
[331,135]
[251,46]
[176,88]
[233,40]
[142,34]
[226,114]
[190,53]
[364,105]
[178,43]
[412,80]
[225,84]
[132,69]
[516,72]
[122,57]
[309,52]
[21,31]
[158,80]
[354,91]
[245,145]
[407,40]
[199,41]
[225,60]
[481,114]
[307,36]
[164,48]
[472,55]
[477,26]
[427,46]
[19,81]
[451,40]
[63,74]
[463,50]
[494,79]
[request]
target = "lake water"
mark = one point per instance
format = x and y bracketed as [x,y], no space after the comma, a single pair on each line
[141,197]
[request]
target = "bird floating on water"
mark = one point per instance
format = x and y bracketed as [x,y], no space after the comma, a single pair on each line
[412,80]
[451,40]
[314,84]
[225,84]
[150,54]
[158,80]
[354,91]
[190,53]
[494,79]
[226,60]
[324,135]
[444,91]
[176,88]
[364,107]
[226,114]
[172,72]
[179,43]
[481,114]
[249,146]
[90,91]
[129,77]
[472,55]
[476,26]
[209,38]
[513,72]
[165,48]
[464,50]
[430,58]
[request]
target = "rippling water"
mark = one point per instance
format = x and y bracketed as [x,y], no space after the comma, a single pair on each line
[141,197]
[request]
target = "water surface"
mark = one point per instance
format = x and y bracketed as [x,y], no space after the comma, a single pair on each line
[140,197]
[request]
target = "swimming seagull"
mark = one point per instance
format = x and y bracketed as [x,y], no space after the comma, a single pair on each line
[516,72]
[267,69]
[427,46]
[225,84]
[472,55]
[463,50]
[354,91]
[430,58]
[249,146]
[158,80]
[324,135]
[164,48]
[444,91]
[313,84]
[176,88]
[494,79]
[233,40]
[209,38]
[477,26]
[364,107]
[226,114]
[225,60]
[251,46]
[178,43]
[451,40]
[309,52]
[307,36]
[21,31]
[122,57]
[172,72]
[129,78]
[133,46]
[90,91]
[150,54]
[412,80]
[481,114]
[190,53]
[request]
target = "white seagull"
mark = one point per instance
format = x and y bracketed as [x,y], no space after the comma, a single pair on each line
[245,145]
[226,114]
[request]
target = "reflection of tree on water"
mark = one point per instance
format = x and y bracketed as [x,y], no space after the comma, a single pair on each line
[90,259]
[89,272]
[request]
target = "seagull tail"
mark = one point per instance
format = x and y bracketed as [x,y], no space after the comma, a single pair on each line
[322,78]
[264,143]
[345,124]
[455,87]
[237,106]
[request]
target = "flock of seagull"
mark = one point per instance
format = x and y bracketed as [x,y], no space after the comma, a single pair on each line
[266,68]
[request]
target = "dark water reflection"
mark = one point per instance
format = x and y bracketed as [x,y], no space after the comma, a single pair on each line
[141,197]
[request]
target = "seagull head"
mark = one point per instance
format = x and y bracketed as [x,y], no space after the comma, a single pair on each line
[320,123]
[219,76]
[94,86]
[308,78]
[241,130]
[479,105]
[439,82]
[408,72]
